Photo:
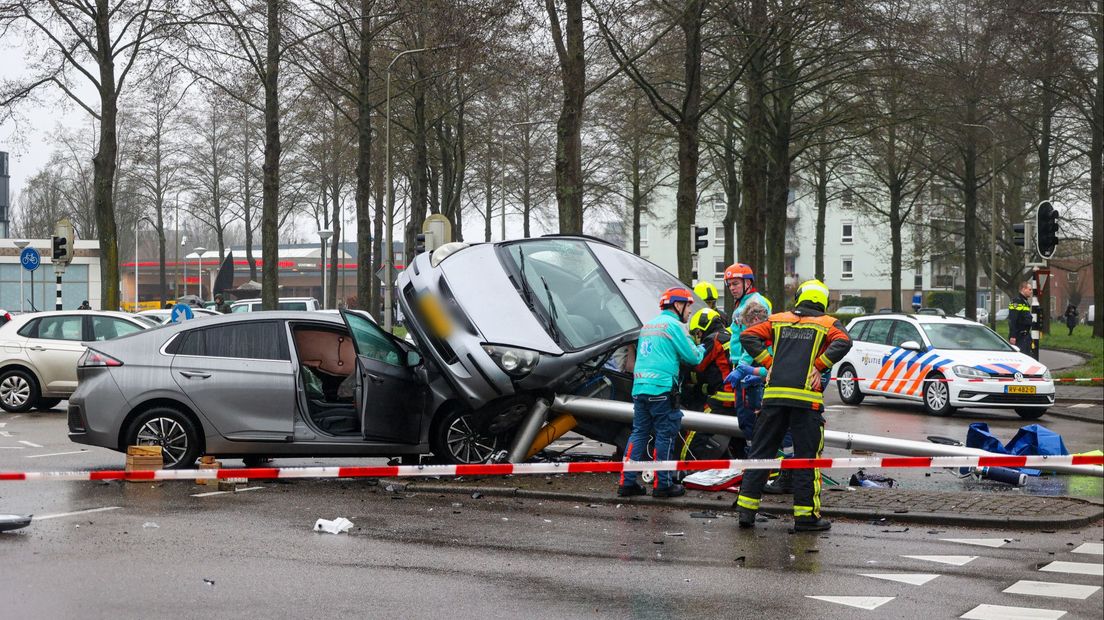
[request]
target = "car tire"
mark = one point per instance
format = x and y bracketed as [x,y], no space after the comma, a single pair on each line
[18,390]
[849,391]
[171,429]
[46,404]
[937,396]
[256,461]
[460,437]
[1030,413]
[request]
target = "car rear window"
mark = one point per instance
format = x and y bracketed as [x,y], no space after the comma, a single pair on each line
[262,340]
[293,305]
[878,332]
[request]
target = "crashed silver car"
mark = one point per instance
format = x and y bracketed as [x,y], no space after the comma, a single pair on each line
[511,322]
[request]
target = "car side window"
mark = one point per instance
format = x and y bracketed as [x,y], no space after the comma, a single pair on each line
[878,332]
[372,342]
[860,331]
[903,332]
[263,340]
[30,330]
[107,328]
[61,328]
[240,308]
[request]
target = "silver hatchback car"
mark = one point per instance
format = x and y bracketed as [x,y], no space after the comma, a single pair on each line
[259,384]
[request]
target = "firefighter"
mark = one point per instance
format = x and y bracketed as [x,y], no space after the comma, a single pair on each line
[1019,320]
[663,347]
[708,293]
[806,343]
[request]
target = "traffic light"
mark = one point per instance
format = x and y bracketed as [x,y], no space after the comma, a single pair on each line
[1018,234]
[419,243]
[700,242]
[1046,229]
[61,248]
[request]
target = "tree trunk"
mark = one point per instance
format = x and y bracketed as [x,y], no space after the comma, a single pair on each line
[1047,106]
[895,257]
[732,188]
[686,197]
[335,226]
[270,222]
[754,163]
[365,287]
[104,165]
[569,144]
[375,246]
[419,178]
[1096,183]
[822,215]
[970,227]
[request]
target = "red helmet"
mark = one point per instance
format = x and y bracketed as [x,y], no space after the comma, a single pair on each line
[675,294]
[738,271]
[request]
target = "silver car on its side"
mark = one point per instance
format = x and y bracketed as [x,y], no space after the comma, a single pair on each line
[259,384]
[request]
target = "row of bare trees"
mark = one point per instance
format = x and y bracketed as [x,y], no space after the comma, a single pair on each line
[502,105]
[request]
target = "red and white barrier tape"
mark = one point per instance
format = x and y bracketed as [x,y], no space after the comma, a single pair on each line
[388,471]
[945,380]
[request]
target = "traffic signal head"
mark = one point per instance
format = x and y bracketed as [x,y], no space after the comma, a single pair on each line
[61,248]
[700,241]
[1046,229]
[1018,236]
[419,243]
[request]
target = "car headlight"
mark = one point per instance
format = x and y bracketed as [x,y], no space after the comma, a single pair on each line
[513,361]
[1046,375]
[967,372]
[445,251]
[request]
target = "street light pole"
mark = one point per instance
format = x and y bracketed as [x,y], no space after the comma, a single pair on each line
[992,224]
[199,250]
[21,244]
[183,240]
[323,235]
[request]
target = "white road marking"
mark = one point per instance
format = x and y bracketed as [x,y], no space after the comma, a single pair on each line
[12,448]
[36,456]
[1090,548]
[78,512]
[210,493]
[916,579]
[955,560]
[839,407]
[981,542]
[15,417]
[1047,588]
[31,444]
[1081,406]
[5,434]
[862,602]
[1000,612]
[3,424]
[1077,568]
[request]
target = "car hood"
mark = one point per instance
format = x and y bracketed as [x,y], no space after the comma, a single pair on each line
[997,362]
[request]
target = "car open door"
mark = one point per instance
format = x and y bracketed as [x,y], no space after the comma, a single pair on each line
[389,396]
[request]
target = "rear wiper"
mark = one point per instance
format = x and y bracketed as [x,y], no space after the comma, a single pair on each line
[553,330]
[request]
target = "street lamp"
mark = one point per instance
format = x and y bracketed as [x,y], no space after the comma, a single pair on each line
[389,253]
[992,225]
[184,240]
[324,236]
[199,250]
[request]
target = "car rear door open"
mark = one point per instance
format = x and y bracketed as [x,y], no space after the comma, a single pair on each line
[389,396]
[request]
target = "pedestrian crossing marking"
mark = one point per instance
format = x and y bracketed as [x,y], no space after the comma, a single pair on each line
[862,602]
[1002,612]
[1076,568]
[916,579]
[981,542]
[1047,588]
[1090,548]
[954,560]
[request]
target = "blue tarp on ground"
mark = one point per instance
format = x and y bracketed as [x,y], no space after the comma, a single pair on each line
[1031,440]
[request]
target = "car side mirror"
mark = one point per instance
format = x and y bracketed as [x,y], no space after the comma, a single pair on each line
[911,345]
[413,358]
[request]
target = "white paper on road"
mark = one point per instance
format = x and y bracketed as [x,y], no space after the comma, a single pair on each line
[1048,588]
[1001,612]
[1077,568]
[981,542]
[954,560]
[337,526]
[916,579]
[1090,548]
[862,602]
[77,512]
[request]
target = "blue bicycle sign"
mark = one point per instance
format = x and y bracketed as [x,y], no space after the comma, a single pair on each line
[30,259]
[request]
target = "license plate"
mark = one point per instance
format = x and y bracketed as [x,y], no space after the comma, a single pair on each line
[1019,389]
[434,314]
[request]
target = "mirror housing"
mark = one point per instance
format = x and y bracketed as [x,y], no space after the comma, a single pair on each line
[413,358]
[911,345]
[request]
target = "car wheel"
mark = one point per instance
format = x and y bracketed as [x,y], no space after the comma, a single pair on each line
[18,391]
[462,437]
[172,430]
[937,396]
[1030,413]
[46,404]
[849,391]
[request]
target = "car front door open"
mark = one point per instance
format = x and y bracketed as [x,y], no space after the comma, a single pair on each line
[389,396]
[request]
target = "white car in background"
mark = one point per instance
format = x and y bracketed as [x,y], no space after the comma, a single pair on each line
[943,363]
[308,304]
[982,315]
[850,310]
[39,353]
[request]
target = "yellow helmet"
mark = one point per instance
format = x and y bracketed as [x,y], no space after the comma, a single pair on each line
[703,319]
[706,291]
[814,291]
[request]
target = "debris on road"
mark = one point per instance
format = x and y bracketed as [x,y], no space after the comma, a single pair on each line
[337,526]
[14,522]
[150,525]
[704,515]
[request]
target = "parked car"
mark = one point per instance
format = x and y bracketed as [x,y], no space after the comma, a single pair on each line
[39,353]
[284,303]
[260,385]
[943,363]
[932,311]
[982,314]
[850,310]
[161,317]
[885,311]
[1002,314]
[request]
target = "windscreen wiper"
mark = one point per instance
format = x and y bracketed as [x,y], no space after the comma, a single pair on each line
[553,330]
[526,291]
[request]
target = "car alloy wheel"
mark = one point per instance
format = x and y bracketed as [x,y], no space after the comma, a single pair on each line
[848,386]
[18,392]
[172,430]
[466,444]
[937,396]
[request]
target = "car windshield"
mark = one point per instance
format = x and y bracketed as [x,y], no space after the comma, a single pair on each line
[964,337]
[293,305]
[570,292]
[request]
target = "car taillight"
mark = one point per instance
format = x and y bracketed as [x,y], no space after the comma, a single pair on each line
[95,359]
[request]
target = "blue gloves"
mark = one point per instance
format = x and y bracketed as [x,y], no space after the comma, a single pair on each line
[746,375]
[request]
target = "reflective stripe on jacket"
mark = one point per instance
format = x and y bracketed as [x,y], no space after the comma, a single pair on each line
[1019,317]
[664,345]
[806,342]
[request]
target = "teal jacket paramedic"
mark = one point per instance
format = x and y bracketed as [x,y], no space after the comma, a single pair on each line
[664,345]
[736,350]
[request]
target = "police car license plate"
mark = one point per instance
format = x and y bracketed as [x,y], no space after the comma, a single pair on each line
[1019,389]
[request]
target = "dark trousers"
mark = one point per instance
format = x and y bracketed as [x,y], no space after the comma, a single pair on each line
[807,429]
[653,414]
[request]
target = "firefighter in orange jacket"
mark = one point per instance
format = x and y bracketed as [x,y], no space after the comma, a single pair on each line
[806,344]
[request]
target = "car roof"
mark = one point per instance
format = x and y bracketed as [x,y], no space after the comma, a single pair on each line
[919,318]
[261,315]
[34,315]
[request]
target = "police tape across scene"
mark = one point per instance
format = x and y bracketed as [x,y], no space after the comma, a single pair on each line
[506,469]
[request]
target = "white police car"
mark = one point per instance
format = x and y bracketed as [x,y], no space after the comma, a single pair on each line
[943,362]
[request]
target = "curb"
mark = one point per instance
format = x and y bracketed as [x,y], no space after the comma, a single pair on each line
[934,518]
[1073,416]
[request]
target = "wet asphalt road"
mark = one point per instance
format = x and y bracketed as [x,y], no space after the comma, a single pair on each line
[157,550]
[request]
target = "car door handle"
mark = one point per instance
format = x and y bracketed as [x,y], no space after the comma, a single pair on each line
[191,374]
[373,378]
[36,348]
